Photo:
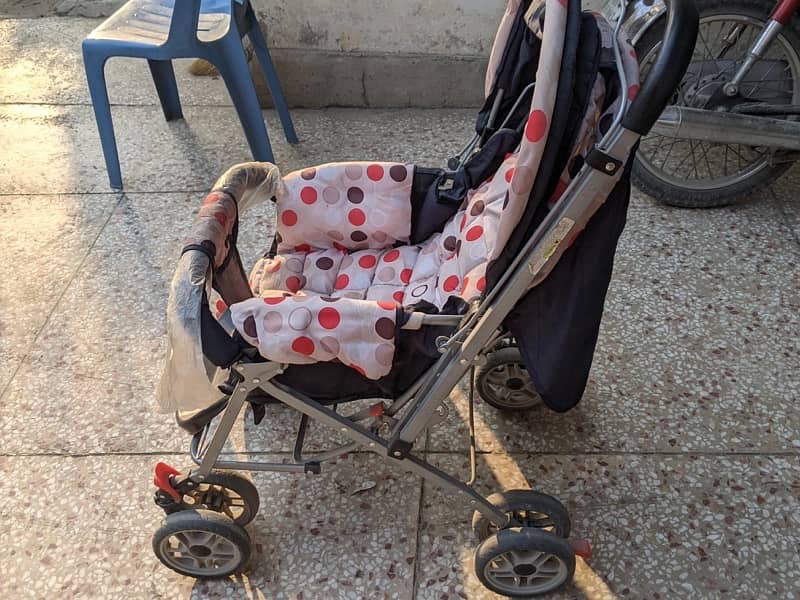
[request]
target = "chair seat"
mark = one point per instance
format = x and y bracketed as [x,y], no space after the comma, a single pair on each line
[146,22]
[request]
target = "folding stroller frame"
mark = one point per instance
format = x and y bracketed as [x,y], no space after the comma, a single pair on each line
[391,430]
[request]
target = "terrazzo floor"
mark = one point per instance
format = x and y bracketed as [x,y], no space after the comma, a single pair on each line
[681,464]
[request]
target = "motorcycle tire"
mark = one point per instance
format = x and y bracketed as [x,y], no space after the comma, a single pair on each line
[684,192]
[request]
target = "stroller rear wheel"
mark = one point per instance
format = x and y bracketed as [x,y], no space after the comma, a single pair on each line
[504,383]
[531,509]
[202,544]
[523,562]
[224,492]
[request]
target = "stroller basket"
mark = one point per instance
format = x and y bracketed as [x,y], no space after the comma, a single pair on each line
[391,281]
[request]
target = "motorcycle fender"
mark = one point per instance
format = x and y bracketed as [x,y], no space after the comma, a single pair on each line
[639,16]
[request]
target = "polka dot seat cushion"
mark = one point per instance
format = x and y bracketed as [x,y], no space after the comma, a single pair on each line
[344,265]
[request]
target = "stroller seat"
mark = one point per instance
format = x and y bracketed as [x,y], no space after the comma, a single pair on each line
[344,265]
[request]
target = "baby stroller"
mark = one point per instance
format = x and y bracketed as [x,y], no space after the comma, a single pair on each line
[391,281]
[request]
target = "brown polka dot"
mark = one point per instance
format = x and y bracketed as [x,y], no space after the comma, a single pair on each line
[330,195]
[477,208]
[384,327]
[324,263]
[522,181]
[295,265]
[300,319]
[384,354]
[358,236]
[308,174]
[273,321]
[380,236]
[450,243]
[398,173]
[353,171]
[355,195]
[386,274]
[330,344]
[419,291]
[250,327]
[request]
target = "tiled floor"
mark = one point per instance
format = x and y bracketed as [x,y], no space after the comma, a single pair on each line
[681,463]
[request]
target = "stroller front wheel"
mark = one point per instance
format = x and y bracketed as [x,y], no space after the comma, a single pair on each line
[523,562]
[503,382]
[202,544]
[529,508]
[224,492]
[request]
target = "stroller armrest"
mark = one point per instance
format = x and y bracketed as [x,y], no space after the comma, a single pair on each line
[670,66]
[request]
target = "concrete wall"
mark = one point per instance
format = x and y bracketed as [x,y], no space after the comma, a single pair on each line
[381,52]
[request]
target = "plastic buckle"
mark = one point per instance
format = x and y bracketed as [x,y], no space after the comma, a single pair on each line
[163,480]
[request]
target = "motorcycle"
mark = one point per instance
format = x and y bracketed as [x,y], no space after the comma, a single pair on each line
[732,126]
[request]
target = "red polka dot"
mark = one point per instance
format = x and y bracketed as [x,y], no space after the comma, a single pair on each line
[308,195]
[367,262]
[463,222]
[357,217]
[450,284]
[474,233]
[342,282]
[375,172]
[221,218]
[405,275]
[633,91]
[481,285]
[329,318]
[339,247]
[398,297]
[302,248]
[293,283]
[392,255]
[273,300]
[509,174]
[221,307]
[359,369]
[303,345]
[537,126]
[289,218]
[386,305]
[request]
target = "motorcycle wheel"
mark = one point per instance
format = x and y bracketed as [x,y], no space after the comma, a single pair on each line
[697,174]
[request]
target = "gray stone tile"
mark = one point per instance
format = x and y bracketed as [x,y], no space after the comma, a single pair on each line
[697,351]
[661,526]
[57,149]
[44,239]
[348,533]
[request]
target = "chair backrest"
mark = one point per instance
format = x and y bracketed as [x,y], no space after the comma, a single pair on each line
[186,15]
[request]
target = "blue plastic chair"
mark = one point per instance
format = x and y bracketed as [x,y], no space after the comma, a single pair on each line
[160,30]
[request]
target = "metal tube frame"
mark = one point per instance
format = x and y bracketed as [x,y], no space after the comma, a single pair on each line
[462,350]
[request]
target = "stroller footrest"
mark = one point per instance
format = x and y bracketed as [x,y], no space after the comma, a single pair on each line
[193,421]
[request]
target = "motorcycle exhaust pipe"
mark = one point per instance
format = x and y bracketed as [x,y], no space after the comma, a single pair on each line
[727,128]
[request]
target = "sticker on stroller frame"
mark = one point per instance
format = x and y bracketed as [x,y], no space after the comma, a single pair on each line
[549,245]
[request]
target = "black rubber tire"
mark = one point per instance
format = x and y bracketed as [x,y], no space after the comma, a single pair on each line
[230,480]
[523,539]
[203,520]
[732,193]
[554,517]
[509,355]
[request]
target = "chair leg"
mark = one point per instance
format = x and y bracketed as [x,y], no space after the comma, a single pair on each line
[231,62]
[95,76]
[167,88]
[274,84]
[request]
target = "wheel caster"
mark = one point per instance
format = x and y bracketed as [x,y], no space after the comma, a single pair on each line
[503,382]
[530,509]
[202,543]
[521,562]
[224,492]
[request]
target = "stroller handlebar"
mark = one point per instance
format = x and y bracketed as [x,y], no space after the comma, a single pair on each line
[673,59]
